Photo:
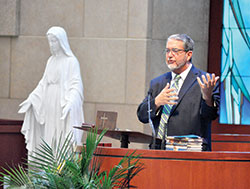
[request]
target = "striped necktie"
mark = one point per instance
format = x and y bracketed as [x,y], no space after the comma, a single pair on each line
[167,109]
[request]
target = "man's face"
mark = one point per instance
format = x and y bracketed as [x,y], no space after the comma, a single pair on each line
[176,56]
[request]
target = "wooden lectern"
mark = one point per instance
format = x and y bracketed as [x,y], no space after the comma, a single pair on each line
[125,137]
[171,169]
[105,119]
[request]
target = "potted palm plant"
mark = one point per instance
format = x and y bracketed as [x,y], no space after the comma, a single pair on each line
[64,168]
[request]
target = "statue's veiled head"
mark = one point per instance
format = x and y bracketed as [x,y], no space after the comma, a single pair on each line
[58,39]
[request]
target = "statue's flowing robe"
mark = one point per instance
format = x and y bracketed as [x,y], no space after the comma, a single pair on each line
[60,84]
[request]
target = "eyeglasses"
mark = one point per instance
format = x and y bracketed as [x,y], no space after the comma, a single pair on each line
[175,51]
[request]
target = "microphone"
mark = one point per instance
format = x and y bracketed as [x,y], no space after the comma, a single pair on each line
[150,120]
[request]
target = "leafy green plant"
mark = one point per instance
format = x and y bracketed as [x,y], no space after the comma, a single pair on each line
[63,168]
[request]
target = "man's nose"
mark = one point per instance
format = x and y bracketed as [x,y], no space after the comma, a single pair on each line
[170,54]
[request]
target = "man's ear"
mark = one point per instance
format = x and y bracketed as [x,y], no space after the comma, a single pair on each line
[189,55]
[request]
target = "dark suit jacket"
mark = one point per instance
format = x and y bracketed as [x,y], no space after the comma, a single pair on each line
[191,115]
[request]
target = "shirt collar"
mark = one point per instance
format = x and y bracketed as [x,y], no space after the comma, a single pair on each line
[183,74]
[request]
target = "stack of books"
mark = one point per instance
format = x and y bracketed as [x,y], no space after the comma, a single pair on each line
[184,143]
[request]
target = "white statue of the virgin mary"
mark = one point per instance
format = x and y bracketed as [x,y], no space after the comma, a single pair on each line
[55,105]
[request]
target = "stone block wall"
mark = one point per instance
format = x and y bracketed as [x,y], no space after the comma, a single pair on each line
[118,43]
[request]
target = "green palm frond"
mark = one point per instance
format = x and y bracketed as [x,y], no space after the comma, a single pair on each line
[46,157]
[16,177]
[88,150]
[63,168]
[66,151]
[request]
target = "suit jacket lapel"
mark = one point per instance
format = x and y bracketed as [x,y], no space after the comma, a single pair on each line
[189,81]
[166,79]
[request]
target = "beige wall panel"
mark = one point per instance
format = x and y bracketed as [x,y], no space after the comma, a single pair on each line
[37,16]
[157,65]
[136,70]
[89,116]
[106,18]
[4,66]
[182,16]
[103,68]
[9,17]
[140,19]
[200,55]
[9,109]
[89,112]
[29,58]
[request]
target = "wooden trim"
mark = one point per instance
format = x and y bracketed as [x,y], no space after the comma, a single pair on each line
[10,122]
[231,142]
[162,154]
[10,129]
[231,137]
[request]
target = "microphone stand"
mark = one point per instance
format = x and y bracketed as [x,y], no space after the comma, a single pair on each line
[150,120]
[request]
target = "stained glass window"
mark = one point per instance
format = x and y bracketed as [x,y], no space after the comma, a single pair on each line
[235,63]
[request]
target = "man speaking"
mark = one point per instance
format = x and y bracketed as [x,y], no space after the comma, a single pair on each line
[185,100]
